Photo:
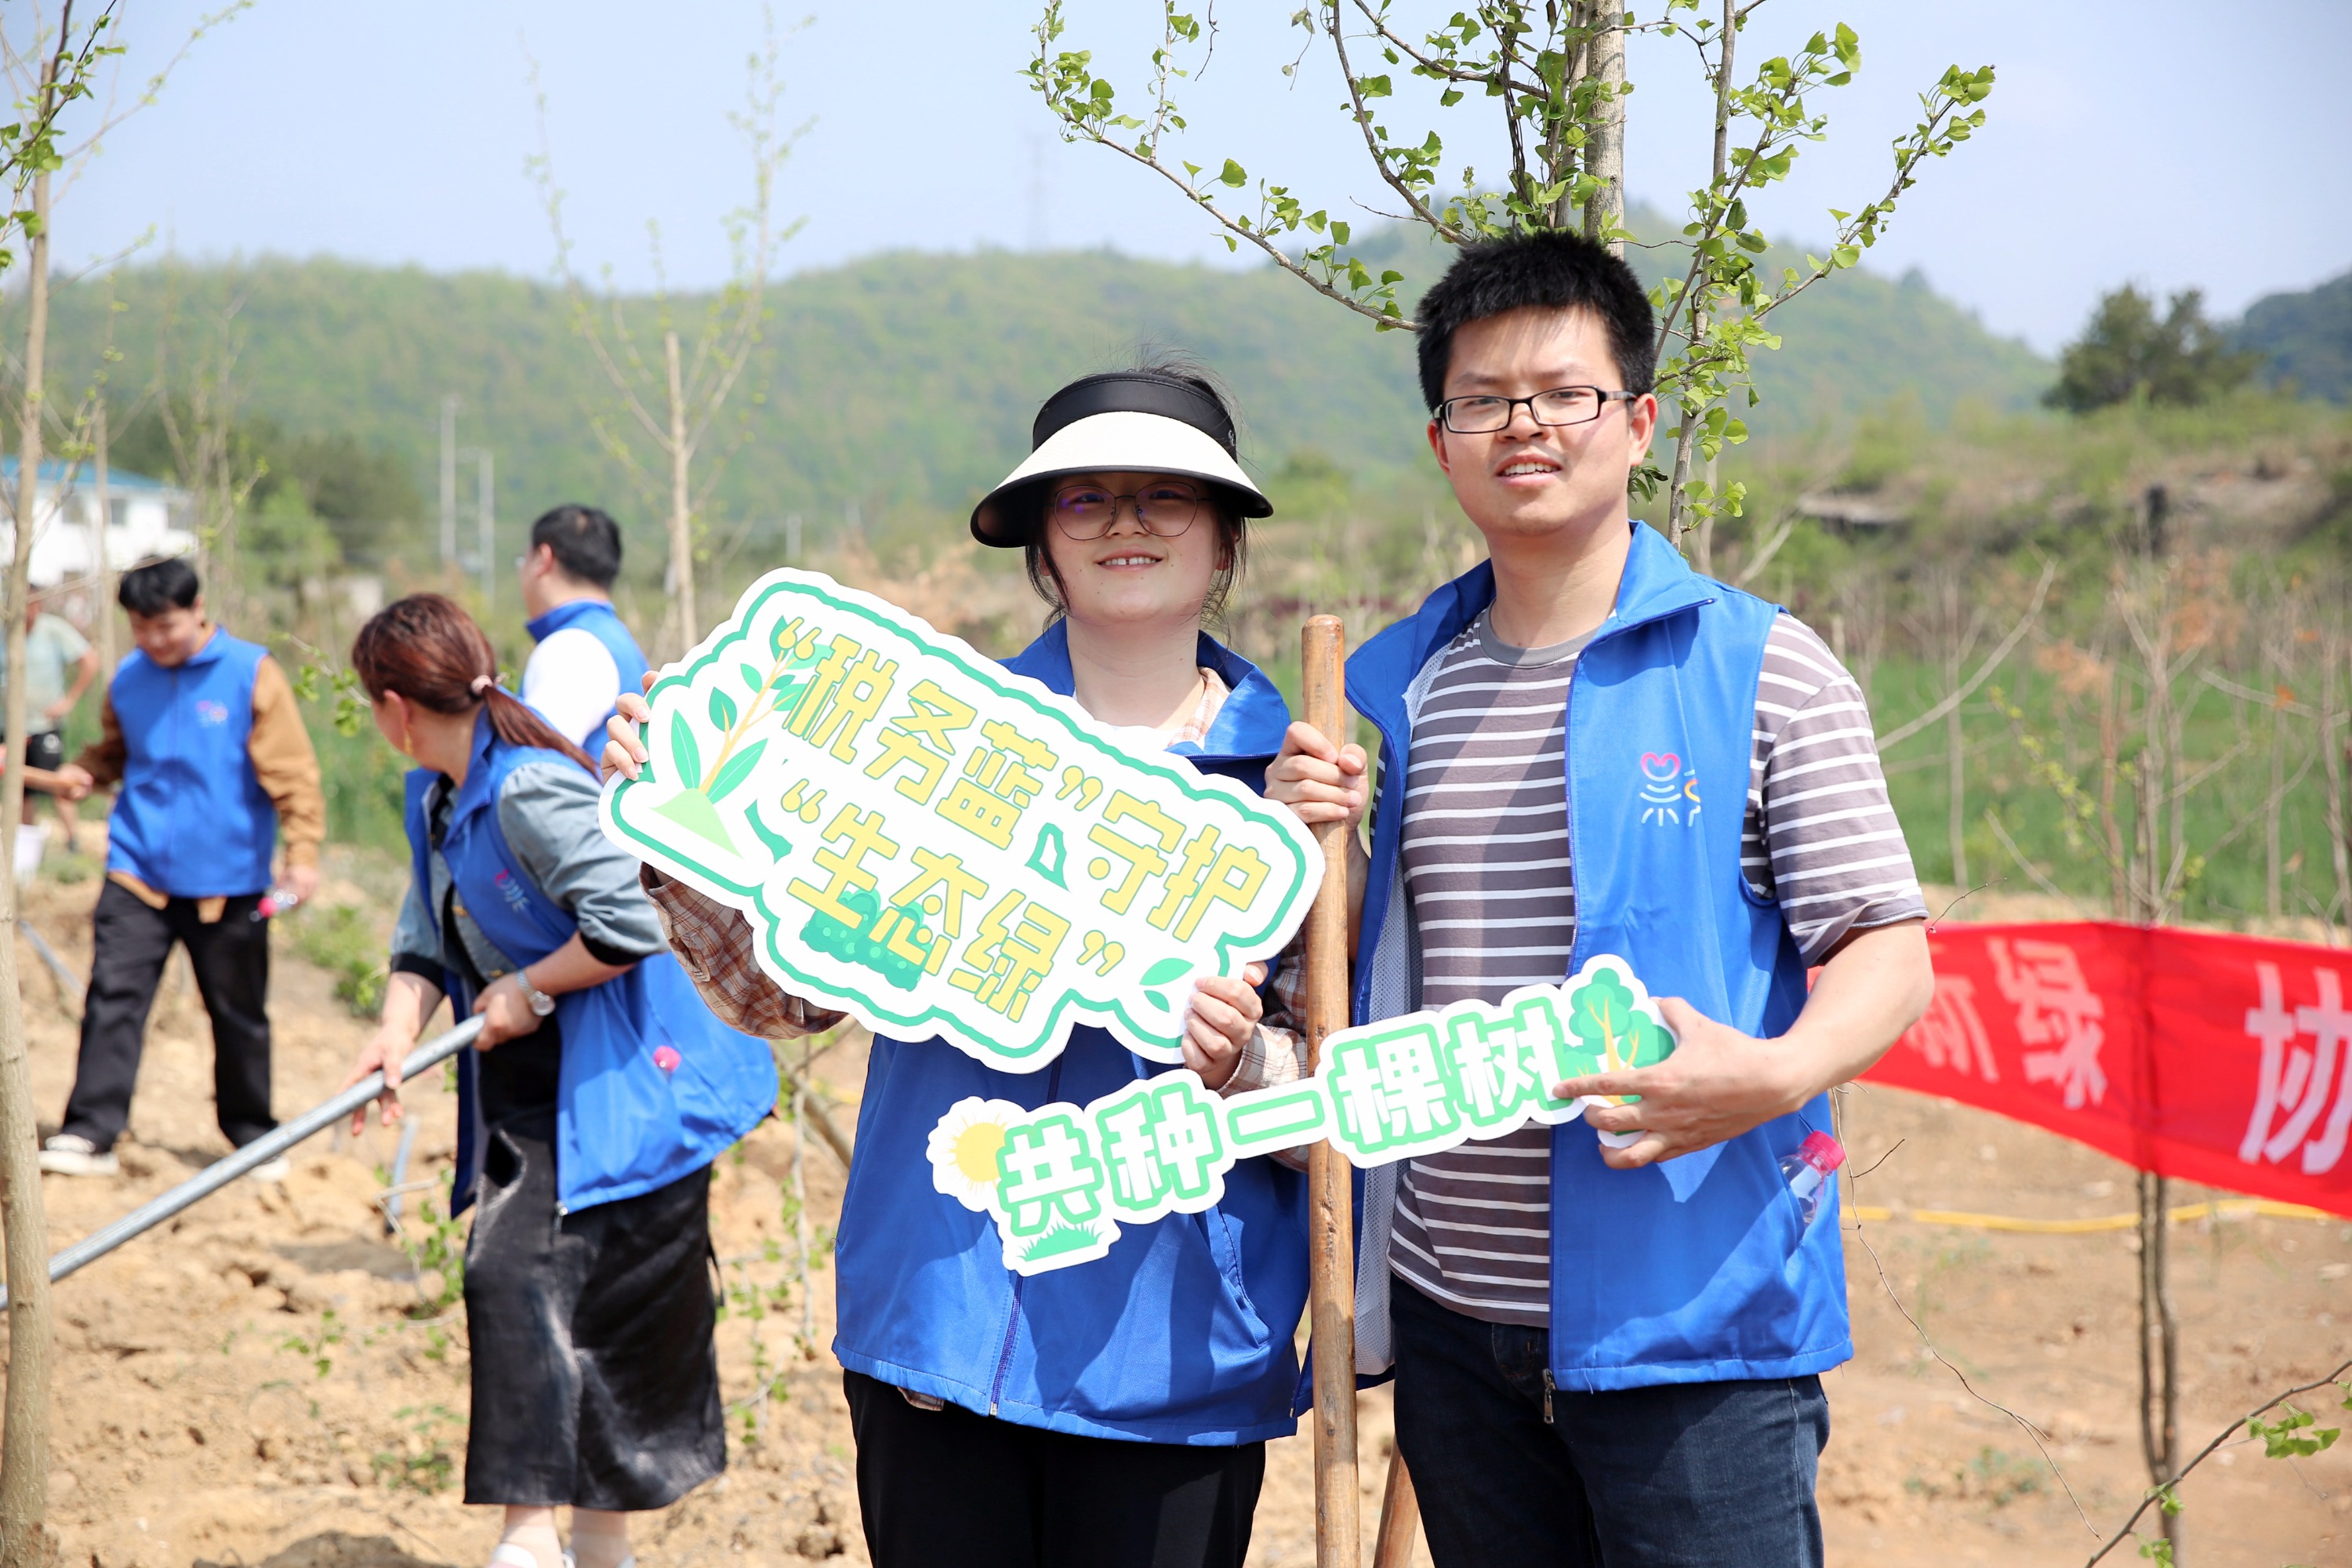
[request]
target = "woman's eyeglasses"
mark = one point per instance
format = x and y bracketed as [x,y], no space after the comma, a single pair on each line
[1085,513]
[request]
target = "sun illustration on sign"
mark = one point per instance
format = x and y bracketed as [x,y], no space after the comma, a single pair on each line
[964,1147]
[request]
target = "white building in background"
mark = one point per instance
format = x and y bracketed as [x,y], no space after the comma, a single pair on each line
[148,519]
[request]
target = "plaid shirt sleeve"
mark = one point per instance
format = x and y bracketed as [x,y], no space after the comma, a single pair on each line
[1277,1053]
[714,946]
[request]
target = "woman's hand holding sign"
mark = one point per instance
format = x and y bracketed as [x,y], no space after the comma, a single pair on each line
[625,745]
[1225,1011]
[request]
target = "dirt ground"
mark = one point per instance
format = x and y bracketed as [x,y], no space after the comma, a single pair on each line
[260,1384]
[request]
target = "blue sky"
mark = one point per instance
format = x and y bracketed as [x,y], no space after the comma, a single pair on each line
[2161,143]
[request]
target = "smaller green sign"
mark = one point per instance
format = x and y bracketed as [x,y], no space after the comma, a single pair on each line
[1060,1180]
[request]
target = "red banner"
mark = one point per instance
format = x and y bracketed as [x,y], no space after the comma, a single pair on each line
[2220,1060]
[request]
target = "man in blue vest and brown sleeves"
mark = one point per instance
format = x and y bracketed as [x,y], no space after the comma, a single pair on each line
[1607,1354]
[202,732]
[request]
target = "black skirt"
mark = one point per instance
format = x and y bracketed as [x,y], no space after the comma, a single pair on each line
[595,1380]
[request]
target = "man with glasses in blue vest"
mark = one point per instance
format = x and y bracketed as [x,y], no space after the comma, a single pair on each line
[1607,1354]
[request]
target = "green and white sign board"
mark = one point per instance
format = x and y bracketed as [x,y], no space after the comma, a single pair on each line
[1061,1180]
[940,846]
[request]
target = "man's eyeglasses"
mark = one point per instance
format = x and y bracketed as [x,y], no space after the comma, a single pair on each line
[1085,513]
[1483,416]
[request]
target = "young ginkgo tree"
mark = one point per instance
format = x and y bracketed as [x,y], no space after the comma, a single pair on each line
[1553,73]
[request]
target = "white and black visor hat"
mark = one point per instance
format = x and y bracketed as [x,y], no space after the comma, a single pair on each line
[1125,421]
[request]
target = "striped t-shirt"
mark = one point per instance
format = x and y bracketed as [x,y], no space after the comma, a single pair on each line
[1486,873]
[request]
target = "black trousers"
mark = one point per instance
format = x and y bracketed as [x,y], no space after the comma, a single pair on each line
[231,958]
[596,1382]
[950,1489]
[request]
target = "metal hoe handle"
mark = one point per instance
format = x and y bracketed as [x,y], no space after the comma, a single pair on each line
[262,1150]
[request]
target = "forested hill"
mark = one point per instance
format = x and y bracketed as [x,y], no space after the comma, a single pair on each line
[902,378]
[2304,338]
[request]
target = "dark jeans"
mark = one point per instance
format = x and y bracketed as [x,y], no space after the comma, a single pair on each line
[950,1489]
[1686,1475]
[129,943]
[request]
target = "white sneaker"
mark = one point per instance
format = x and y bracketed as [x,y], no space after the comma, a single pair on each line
[271,1170]
[71,1154]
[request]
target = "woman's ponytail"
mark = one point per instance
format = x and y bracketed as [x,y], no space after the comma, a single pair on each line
[430,651]
[513,721]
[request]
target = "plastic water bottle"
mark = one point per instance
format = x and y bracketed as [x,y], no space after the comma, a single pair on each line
[1808,1171]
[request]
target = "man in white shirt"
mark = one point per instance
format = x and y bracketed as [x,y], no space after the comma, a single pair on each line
[586,656]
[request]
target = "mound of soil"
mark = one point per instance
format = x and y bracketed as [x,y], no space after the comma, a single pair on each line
[267,1381]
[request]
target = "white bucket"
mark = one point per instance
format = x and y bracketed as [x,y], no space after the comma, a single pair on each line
[32,838]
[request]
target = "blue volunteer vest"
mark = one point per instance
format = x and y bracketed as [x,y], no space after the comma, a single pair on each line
[626,1123]
[600,620]
[1182,1333]
[1701,1268]
[191,819]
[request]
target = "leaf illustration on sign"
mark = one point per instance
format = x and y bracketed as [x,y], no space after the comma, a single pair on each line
[943,848]
[1060,1181]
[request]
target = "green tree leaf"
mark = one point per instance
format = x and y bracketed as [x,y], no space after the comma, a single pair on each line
[738,768]
[684,751]
[722,709]
[752,679]
[1166,970]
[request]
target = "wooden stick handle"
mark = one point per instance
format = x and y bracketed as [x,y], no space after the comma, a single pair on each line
[1338,1527]
[1399,1517]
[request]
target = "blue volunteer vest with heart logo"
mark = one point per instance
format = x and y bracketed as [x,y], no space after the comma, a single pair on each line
[629,1117]
[1699,1269]
[192,818]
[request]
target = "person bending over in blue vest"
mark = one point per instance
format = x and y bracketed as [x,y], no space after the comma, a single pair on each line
[586,656]
[598,1093]
[202,732]
[1115,1413]
[1610,1355]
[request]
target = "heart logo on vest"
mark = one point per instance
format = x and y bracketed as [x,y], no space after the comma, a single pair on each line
[1669,795]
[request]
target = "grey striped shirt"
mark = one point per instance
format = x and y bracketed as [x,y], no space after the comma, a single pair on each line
[1487,868]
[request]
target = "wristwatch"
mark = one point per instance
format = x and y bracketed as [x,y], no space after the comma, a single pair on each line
[540,1002]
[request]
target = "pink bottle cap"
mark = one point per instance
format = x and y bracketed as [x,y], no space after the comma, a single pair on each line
[1821,1151]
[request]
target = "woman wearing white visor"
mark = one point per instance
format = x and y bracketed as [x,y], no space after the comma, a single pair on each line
[1117,1413]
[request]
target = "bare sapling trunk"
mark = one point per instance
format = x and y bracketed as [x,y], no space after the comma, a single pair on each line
[25,1442]
[1960,629]
[1956,783]
[103,553]
[2159,1348]
[2332,753]
[1604,149]
[1678,506]
[2148,617]
[681,502]
[2276,657]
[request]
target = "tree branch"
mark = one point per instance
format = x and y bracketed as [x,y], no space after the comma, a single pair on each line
[1992,662]
[1363,117]
[2157,1493]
